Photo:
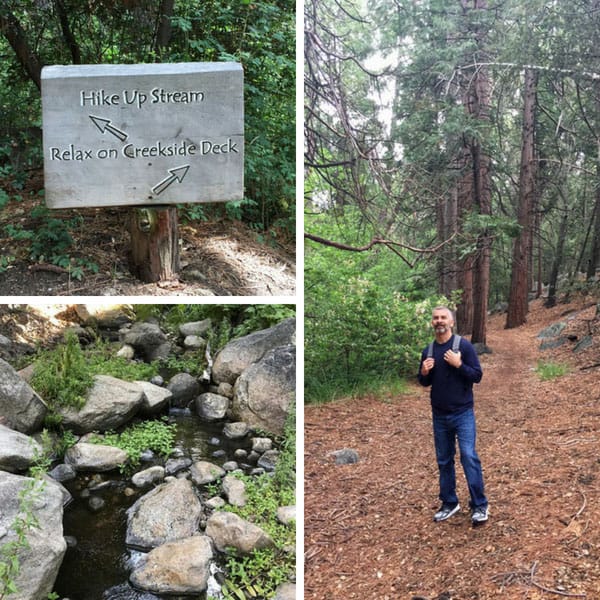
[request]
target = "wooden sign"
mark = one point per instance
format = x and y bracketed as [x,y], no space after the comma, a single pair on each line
[152,134]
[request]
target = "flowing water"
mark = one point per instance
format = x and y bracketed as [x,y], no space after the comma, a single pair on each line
[97,565]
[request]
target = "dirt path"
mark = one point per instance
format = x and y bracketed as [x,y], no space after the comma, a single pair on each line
[368,527]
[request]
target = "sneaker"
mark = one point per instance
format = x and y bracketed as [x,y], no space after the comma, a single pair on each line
[446,511]
[479,515]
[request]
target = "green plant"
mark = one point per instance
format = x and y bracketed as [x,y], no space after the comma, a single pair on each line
[158,436]
[261,572]
[25,520]
[62,376]
[551,370]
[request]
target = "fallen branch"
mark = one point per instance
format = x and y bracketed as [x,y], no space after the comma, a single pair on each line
[527,578]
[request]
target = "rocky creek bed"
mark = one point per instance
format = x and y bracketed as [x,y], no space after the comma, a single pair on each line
[166,528]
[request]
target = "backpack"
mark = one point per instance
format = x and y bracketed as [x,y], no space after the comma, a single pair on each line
[455,346]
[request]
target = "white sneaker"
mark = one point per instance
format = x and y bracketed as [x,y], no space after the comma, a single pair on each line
[479,515]
[446,511]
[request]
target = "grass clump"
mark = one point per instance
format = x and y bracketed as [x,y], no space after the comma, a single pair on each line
[64,375]
[261,572]
[157,435]
[550,370]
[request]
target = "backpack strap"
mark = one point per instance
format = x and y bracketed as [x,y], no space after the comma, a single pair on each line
[456,343]
[455,346]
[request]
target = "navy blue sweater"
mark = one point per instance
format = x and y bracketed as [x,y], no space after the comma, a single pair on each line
[451,388]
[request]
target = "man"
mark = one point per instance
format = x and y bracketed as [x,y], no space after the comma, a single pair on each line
[451,375]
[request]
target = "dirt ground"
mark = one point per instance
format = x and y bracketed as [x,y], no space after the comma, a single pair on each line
[218,258]
[369,532]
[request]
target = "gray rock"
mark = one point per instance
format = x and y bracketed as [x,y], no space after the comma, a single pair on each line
[17,450]
[148,476]
[225,389]
[110,403]
[169,512]
[215,503]
[156,398]
[286,514]
[240,454]
[264,393]
[228,531]
[194,342]
[212,407]
[230,465]
[157,380]
[268,461]
[96,503]
[261,444]
[184,388]
[106,316]
[195,328]
[583,344]
[148,340]
[62,473]
[127,352]
[174,465]
[552,331]
[204,472]
[95,457]
[236,431]
[286,591]
[239,354]
[39,563]
[551,343]
[179,567]
[235,490]
[21,408]
[346,456]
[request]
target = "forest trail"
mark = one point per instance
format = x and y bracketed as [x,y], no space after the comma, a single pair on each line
[369,531]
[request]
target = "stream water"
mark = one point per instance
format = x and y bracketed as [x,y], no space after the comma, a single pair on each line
[97,565]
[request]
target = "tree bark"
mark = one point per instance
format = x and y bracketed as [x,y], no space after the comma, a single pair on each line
[68,36]
[15,34]
[154,243]
[558,259]
[518,301]
[163,33]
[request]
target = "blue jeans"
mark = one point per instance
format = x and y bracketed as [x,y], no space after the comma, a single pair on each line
[446,430]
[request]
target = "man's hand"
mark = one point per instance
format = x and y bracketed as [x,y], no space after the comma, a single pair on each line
[453,358]
[427,366]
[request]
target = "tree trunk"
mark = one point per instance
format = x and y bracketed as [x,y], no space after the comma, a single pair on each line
[558,259]
[163,33]
[594,262]
[68,36]
[15,34]
[154,243]
[519,283]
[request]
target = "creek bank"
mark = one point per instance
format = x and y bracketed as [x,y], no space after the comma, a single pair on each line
[168,503]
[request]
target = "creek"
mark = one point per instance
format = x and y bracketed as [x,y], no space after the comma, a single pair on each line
[97,565]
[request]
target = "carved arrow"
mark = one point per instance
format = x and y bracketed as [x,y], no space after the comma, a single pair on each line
[177,173]
[104,125]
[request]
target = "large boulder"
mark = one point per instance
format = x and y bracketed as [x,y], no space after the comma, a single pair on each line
[212,407]
[105,316]
[169,512]
[40,561]
[184,388]
[110,403]
[264,393]
[180,567]
[156,398]
[17,450]
[228,531]
[20,407]
[148,340]
[95,457]
[239,354]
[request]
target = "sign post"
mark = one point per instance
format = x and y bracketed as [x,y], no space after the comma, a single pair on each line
[146,136]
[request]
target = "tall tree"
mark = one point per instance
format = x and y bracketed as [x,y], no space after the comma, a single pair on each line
[519,288]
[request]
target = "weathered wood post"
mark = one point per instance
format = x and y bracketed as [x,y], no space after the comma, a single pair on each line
[154,243]
[146,136]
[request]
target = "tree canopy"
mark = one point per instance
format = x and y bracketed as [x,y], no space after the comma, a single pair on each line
[458,141]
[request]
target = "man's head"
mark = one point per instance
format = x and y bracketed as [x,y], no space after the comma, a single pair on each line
[442,320]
